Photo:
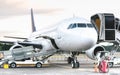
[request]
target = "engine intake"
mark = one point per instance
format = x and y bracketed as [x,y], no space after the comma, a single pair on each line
[91,53]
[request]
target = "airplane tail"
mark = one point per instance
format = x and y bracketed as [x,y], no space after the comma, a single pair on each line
[32,21]
[33,27]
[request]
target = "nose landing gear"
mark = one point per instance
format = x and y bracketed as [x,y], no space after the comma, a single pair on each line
[75,64]
[73,61]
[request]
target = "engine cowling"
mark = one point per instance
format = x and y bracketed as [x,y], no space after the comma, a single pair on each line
[91,53]
[46,44]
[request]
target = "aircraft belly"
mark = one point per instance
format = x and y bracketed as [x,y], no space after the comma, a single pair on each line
[75,47]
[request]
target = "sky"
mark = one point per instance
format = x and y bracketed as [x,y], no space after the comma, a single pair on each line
[15,14]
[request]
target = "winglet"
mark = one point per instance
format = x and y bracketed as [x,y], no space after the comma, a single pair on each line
[32,21]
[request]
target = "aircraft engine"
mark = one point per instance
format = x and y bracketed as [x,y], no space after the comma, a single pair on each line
[91,53]
[46,44]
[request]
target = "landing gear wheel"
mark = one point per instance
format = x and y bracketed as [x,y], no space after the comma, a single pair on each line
[75,64]
[69,60]
[13,65]
[38,65]
[74,61]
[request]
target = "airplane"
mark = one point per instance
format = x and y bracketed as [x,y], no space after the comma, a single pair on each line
[71,36]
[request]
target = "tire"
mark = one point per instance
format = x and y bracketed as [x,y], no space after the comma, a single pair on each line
[13,65]
[73,64]
[110,64]
[38,65]
[69,60]
[77,65]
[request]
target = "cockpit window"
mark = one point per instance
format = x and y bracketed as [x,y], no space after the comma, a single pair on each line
[77,25]
[74,25]
[71,26]
[90,25]
[81,25]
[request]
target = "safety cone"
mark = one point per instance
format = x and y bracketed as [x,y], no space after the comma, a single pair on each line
[96,68]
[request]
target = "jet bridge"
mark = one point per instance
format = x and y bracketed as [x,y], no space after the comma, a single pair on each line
[105,26]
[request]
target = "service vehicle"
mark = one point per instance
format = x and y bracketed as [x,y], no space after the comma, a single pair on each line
[114,61]
[14,64]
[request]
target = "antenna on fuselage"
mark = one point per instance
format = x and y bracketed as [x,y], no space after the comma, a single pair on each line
[74,15]
[32,21]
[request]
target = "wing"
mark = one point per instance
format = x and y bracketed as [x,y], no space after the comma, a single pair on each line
[11,42]
[24,43]
[15,37]
[36,45]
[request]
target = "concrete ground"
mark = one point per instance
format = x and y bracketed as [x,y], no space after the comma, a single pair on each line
[58,66]
[58,69]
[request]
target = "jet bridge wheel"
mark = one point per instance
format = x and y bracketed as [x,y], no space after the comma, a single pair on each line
[110,64]
[38,65]
[13,65]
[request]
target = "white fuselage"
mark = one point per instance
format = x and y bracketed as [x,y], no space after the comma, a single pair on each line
[74,34]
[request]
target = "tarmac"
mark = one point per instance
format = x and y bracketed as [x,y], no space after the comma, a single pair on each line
[60,68]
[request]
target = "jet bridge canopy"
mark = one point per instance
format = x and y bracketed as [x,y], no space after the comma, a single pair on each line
[105,26]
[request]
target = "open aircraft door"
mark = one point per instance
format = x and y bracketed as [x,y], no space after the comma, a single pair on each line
[105,26]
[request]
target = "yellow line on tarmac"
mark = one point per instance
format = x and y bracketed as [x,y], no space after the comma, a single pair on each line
[31,65]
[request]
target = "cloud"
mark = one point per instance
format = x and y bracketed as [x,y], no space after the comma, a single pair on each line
[21,7]
[10,8]
[10,4]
